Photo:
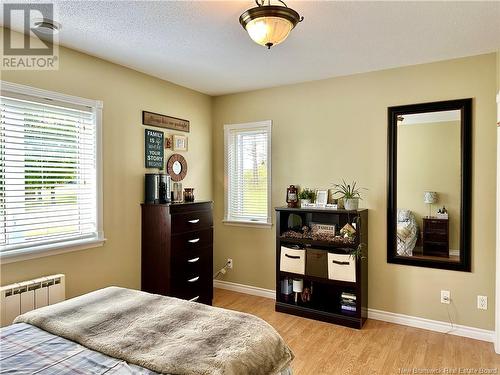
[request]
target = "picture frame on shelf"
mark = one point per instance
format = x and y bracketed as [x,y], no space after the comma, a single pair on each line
[321,198]
[179,143]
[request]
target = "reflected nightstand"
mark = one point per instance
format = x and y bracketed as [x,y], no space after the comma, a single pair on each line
[436,237]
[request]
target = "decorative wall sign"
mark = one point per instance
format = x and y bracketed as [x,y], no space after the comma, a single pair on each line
[162,121]
[179,143]
[153,149]
[323,228]
[177,167]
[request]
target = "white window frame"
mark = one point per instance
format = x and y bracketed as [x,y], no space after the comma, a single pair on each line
[247,223]
[38,251]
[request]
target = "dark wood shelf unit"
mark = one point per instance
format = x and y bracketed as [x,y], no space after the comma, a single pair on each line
[316,243]
[343,284]
[347,320]
[325,302]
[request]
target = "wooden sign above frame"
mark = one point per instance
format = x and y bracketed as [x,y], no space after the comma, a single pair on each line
[162,121]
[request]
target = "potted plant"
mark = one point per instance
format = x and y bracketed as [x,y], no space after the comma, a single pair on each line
[306,196]
[350,194]
[359,252]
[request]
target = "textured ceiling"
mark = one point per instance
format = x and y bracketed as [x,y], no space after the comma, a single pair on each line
[201,44]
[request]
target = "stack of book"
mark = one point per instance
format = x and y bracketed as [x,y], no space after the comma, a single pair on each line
[348,302]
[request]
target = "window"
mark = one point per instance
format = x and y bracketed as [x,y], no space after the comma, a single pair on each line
[247,150]
[50,193]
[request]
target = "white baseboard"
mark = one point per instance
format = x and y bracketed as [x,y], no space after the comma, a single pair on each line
[247,289]
[406,320]
[432,325]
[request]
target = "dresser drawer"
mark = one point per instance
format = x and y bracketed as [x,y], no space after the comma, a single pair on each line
[436,237]
[195,287]
[433,224]
[197,263]
[180,208]
[191,240]
[191,221]
[182,257]
[436,249]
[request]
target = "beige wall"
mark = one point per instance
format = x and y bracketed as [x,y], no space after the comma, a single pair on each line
[327,130]
[125,94]
[498,70]
[429,160]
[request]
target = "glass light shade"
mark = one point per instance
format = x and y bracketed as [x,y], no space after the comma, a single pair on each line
[430,197]
[269,31]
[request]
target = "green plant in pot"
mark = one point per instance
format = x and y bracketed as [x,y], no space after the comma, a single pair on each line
[359,253]
[350,193]
[306,196]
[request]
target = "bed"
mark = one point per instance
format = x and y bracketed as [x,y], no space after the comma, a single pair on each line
[121,331]
[407,232]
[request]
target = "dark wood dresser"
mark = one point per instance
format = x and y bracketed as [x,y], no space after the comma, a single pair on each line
[177,256]
[436,237]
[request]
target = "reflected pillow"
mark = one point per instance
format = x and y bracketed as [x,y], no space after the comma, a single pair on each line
[404,215]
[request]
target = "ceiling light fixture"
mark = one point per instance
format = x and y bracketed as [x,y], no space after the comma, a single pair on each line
[46,26]
[269,25]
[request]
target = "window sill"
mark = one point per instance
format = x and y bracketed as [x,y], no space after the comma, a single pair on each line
[249,224]
[48,250]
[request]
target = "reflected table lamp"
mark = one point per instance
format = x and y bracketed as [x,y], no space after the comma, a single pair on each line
[430,197]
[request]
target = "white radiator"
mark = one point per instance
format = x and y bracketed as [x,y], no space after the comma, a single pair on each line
[18,298]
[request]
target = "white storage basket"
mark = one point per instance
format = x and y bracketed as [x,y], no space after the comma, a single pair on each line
[293,260]
[341,267]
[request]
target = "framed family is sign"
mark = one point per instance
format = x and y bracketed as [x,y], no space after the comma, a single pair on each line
[153,149]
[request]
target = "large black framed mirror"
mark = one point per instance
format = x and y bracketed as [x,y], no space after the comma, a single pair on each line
[429,184]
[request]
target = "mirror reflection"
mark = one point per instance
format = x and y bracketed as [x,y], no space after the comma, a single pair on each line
[429,185]
[177,167]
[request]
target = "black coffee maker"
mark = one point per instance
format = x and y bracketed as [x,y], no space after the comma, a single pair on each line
[157,188]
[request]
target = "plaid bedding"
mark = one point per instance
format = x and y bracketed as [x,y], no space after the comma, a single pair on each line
[25,349]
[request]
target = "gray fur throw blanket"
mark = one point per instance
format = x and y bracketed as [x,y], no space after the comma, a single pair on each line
[166,335]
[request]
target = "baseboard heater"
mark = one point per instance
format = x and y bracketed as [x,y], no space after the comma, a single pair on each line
[18,298]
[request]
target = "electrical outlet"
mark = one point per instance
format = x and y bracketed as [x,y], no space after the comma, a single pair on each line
[482,302]
[229,263]
[445,296]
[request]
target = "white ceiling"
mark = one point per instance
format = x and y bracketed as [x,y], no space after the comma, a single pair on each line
[431,117]
[201,45]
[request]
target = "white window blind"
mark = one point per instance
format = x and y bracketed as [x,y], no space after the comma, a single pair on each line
[248,172]
[48,172]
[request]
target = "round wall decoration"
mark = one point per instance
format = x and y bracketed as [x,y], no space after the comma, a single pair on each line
[177,167]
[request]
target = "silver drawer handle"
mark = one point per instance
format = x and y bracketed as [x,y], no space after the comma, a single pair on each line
[194,260]
[194,221]
[193,279]
[194,240]
[194,299]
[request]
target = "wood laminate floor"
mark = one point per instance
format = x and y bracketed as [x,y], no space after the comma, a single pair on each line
[379,348]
